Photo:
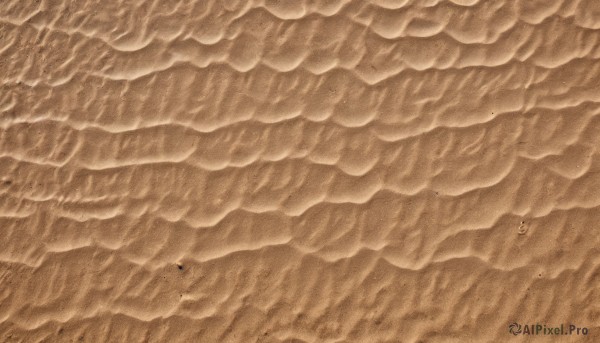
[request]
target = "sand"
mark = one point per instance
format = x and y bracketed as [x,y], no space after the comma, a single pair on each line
[299,170]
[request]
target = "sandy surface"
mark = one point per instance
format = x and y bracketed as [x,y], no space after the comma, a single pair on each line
[298,171]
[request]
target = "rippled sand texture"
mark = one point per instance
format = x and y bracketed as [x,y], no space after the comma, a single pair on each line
[298,171]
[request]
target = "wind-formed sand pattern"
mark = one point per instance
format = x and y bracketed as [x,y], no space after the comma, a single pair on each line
[298,170]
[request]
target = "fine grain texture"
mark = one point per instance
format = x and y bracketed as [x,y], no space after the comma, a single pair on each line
[298,170]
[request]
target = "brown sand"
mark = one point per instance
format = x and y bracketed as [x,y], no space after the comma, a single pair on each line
[298,170]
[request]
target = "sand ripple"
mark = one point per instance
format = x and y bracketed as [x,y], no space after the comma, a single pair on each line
[298,171]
